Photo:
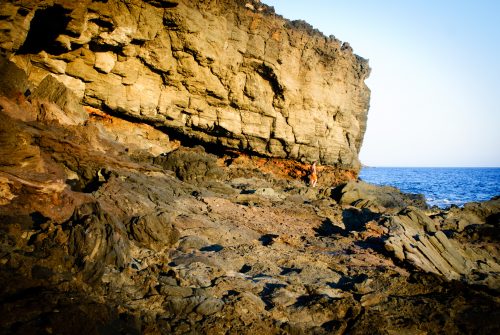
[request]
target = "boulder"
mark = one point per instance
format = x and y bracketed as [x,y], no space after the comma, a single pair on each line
[13,80]
[472,213]
[57,102]
[97,240]
[154,231]
[364,195]
[191,164]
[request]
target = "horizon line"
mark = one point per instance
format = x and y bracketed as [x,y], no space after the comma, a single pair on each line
[429,166]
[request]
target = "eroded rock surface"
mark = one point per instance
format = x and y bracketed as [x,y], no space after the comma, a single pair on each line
[364,195]
[231,73]
[107,239]
[110,226]
[413,237]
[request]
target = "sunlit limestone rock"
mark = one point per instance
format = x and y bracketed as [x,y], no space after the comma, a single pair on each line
[230,72]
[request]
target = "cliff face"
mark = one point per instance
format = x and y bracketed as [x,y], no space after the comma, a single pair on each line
[227,72]
[109,224]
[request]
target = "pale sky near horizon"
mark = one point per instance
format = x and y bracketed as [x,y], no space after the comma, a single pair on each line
[435,79]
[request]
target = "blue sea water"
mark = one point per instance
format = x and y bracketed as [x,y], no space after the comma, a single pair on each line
[442,187]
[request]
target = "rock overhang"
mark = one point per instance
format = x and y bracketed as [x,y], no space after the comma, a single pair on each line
[231,73]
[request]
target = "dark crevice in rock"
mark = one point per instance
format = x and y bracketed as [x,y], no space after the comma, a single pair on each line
[46,26]
[95,183]
[95,46]
[266,72]
[374,243]
[22,294]
[163,3]
[138,42]
[347,283]
[355,219]
[38,219]
[287,271]
[245,268]
[213,247]
[327,228]
[170,24]
[89,182]
[267,292]
[267,239]
[23,11]
[352,319]
[106,25]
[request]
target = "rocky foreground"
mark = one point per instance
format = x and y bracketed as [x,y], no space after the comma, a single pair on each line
[113,220]
[101,235]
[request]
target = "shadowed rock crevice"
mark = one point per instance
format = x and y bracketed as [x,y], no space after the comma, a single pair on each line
[163,3]
[45,27]
[268,74]
[109,225]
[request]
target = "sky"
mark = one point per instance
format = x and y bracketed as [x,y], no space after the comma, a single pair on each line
[435,79]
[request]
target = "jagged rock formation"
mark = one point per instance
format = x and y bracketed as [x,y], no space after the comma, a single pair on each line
[413,237]
[95,238]
[376,198]
[108,225]
[226,72]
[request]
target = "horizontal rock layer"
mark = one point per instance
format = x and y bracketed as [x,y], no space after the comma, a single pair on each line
[100,232]
[228,72]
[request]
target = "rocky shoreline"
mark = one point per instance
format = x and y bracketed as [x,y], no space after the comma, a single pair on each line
[153,181]
[99,237]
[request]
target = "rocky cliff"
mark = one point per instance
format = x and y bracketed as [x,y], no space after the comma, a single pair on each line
[229,72]
[114,221]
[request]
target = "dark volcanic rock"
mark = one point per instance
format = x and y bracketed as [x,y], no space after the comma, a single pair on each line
[191,164]
[96,240]
[154,231]
[108,226]
[361,194]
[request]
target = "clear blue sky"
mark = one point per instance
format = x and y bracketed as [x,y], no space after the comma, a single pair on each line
[435,77]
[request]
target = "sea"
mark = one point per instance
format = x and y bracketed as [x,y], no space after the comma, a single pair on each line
[441,187]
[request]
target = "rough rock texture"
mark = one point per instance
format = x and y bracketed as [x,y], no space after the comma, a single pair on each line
[153,231]
[96,240]
[472,214]
[226,72]
[413,237]
[191,164]
[364,195]
[107,226]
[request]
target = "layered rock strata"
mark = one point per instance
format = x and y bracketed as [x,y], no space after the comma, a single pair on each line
[97,239]
[107,225]
[227,72]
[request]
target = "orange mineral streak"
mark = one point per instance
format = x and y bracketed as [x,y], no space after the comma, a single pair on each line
[290,169]
[98,115]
